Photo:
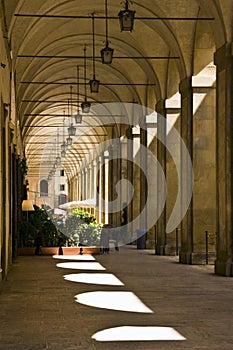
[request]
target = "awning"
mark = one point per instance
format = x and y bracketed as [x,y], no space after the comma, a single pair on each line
[87,203]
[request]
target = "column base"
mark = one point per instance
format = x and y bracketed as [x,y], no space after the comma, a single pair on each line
[171,250]
[223,268]
[160,249]
[1,278]
[197,258]
[150,244]
[185,257]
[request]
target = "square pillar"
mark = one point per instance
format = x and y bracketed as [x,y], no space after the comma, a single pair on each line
[185,87]
[224,158]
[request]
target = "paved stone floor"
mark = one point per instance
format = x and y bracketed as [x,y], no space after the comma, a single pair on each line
[38,309]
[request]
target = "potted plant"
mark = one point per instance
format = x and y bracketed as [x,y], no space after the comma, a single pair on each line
[83,233]
[39,231]
[27,236]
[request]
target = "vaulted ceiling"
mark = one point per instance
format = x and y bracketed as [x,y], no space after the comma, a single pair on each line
[171,40]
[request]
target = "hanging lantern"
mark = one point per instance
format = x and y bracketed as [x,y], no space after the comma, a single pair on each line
[85,106]
[63,146]
[126,18]
[78,118]
[63,153]
[71,130]
[69,141]
[106,52]
[58,160]
[94,83]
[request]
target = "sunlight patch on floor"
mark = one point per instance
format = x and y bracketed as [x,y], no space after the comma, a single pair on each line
[74,257]
[81,265]
[138,333]
[94,278]
[122,301]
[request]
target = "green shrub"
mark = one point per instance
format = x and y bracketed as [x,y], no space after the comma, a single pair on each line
[82,229]
[38,222]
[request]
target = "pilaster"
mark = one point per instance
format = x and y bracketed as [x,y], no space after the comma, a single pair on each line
[161,189]
[187,137]
[141,241]
[130,178]
[114,176]
[224,158]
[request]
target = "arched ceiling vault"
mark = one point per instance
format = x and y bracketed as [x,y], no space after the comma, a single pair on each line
[156,56]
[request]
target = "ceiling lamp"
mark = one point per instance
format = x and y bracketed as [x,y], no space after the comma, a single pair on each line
[58,158]
[69,141]
[63,153]
[85,105]
[94,84]
[107,52]
[78,116]
[63,145]
[71,128]
[126,18]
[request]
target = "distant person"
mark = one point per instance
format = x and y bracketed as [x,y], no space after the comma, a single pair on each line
[38,243]
[104,239]
[115,237]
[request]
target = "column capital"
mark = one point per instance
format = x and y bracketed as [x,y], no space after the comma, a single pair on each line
[223,55]
[128,132]
[160,107]
[185,86]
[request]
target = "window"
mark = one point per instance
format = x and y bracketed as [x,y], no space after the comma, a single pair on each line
[62,198]
[62,187]
[44,188]
[62,172]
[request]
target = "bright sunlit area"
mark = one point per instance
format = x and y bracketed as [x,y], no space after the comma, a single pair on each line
[121,301]
[84,257]
[138,333]
[81,265]
[94,278]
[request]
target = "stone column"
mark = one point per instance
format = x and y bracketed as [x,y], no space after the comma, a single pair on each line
[136,179]
[106,186]
[90,193]
[79,186]
[161,155]
[224,138]
[100,189]
[83,186]
[130,177]
[151,124]
[94,184]
[185,255]
[86,182]
[114,176]
[141,241]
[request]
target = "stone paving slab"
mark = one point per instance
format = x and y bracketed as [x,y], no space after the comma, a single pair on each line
[38,310]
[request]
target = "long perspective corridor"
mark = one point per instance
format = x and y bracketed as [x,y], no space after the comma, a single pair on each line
[116,174]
